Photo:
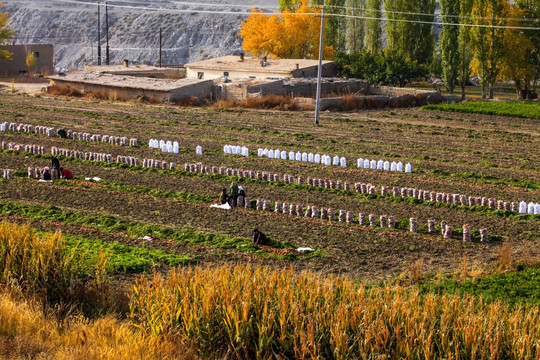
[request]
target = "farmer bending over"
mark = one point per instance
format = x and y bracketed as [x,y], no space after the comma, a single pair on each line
[223,198]
[66,174]
[259,238]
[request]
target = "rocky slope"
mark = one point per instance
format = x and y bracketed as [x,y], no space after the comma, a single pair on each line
[192,30]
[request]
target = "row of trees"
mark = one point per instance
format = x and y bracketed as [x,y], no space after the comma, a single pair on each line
[494,39]
[489,38]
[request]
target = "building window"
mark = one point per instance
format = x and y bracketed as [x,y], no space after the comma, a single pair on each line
[225,73]
[200,75]
[36,54]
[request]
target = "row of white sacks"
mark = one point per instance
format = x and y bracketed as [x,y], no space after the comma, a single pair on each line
[325,159]
[298,156]
[37,173]
[165,146]
[7,173]
[70,134]
[27,128]
[106,139]
[170,146]
[383,165]
[424,195]
[128,160]
[34,149]
[385,221]
[236,150]
[91,156]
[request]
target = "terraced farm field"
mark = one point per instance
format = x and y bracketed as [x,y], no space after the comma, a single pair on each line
[478,155]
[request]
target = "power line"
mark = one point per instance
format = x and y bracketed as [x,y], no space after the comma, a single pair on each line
[427,14]
[225,12]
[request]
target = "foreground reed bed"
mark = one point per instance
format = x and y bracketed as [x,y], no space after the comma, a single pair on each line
[259,313]
[37,264]
[42,266]
[26,333]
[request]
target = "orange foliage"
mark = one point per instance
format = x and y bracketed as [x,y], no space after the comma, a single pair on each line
[291,35]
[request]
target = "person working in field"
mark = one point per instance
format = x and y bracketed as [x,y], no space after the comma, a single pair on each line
[65,174]
[46,174]
[56,166]
[241,191]
[259,238]
[233,194]
[224,198]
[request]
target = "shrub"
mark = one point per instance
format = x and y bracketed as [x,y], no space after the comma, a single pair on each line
[385,69]
[275,102]
[64,90]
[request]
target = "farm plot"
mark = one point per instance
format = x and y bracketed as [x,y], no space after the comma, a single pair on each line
[479,155]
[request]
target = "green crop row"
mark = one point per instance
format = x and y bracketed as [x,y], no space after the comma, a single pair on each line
[122,258]
[509,287]
[111,224]
[520,109]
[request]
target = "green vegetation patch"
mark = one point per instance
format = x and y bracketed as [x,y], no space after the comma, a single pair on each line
[510,287]
[515,109]
[112,224]
[121,257]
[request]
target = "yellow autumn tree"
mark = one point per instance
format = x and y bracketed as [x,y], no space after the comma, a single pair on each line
[517,64]
[290,35]
[488,19]
[6,33]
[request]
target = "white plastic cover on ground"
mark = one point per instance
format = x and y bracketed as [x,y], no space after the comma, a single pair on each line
[221,206]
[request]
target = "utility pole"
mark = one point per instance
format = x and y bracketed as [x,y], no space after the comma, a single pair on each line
[98,37]
[107,28]
[319,72]
[160,47]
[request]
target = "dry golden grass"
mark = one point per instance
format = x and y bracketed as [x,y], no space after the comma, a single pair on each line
[505,258]
[257,313]
[274,102]
[64,90]
[25,333]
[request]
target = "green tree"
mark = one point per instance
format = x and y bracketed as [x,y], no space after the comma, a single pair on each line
[488,41]
[388,68]
[465,46]
[517,64]
[6,33]
[531,10]
[449,43]
[335,27]
[355,25]
[290,5]
[373,37]
[410,31]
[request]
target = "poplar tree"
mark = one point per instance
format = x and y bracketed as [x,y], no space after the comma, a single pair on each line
[409,28]
[465,46]
[355,25]
[488,41]
[335,27]
[449,43]
[373,26]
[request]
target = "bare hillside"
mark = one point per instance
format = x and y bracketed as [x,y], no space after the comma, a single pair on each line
[191,30]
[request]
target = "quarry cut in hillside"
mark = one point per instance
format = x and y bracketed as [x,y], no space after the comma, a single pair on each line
[191,30]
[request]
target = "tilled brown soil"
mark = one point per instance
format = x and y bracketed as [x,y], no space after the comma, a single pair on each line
[457,153]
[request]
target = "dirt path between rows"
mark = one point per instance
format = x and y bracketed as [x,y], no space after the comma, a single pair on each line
[25,88]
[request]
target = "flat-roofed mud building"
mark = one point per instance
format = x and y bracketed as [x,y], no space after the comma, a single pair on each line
[132,87]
